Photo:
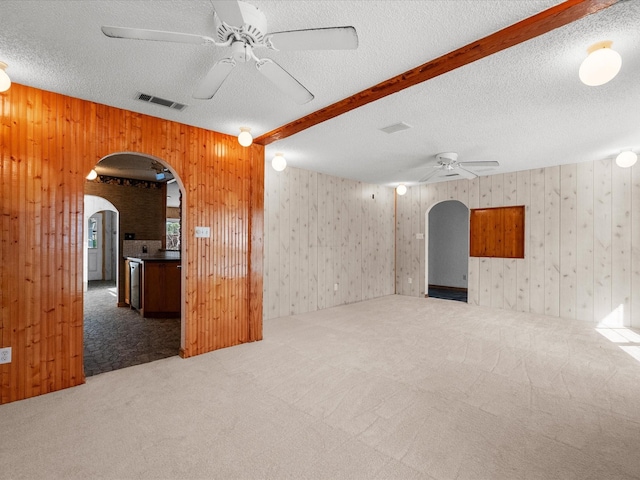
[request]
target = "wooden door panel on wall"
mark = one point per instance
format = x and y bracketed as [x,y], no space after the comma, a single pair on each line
[497,232]
[49,142]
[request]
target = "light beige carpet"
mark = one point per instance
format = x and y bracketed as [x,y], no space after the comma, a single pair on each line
[393,388]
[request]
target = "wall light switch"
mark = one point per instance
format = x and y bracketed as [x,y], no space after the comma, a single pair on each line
[203,232]
[410,280]
[419,236]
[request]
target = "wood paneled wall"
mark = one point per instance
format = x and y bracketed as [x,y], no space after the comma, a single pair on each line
[321,231]
[49,142]
[582,240]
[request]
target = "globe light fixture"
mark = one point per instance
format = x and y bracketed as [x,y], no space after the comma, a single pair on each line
[279,163]
[5,81]
[401,189]
[626,159]
[92,175]
[601,65]
[245,139]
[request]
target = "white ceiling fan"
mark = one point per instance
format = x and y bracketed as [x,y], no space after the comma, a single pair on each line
[243,27]
[448,166]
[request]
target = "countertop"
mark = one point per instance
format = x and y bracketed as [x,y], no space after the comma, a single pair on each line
[168,256]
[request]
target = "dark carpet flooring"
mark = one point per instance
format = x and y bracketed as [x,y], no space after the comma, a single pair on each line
[118,337]
[457,295]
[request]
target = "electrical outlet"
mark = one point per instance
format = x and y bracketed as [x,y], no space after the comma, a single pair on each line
[335,287]
[410,280]
[5,355]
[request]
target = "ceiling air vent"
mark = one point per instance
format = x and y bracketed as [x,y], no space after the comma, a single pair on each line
[160,101]
[396,127]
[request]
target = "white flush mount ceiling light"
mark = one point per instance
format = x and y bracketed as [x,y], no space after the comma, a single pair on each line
[401,189]
[626,159]
[601,65]
[5,81]
[245,139]
[92,175]
[279,163]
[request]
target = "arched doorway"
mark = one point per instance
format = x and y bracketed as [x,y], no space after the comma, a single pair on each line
[447,265]
[146,195]
[100,245]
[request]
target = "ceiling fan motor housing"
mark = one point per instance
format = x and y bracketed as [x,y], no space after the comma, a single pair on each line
[252,32]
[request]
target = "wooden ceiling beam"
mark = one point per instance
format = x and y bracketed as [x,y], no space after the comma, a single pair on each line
[531,27]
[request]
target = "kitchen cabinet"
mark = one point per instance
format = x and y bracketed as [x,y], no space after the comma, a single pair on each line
[160,286]
[161,289]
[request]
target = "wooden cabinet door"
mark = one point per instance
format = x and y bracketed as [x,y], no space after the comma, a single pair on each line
[161,289]
[172,287]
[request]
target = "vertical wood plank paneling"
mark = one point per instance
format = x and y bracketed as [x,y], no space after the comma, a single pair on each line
[536,242]
[635,246]
[313,242]
[294,241]
[577,235]
[342,241]
[49,143]
[568,241]
[485,279]
[416,245]
[510,264]
[621,243]
[473,283]
[273,264]
[304,243]
[602,306]
[355,242]
[345,236]
[285,239]
[523,197]
[552,241]
[585,238]
[403,243]
[497,264]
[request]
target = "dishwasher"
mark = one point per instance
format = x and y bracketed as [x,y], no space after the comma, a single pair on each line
[134,296]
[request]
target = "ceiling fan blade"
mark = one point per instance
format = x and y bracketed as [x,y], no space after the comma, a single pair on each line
[284,81]
[229,12]
[479,164]
[156,35]
[463,172]
[335,38]
[214,79]
[430,175]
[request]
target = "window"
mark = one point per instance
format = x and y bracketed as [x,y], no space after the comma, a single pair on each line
[92,233]
[173,234]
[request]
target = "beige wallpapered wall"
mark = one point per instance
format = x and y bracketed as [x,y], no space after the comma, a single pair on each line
[321,231]
[582,241]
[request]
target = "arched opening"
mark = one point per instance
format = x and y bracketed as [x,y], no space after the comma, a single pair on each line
[447,250]
[136,202]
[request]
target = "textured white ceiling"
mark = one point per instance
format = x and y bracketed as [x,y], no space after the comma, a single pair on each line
[523,107]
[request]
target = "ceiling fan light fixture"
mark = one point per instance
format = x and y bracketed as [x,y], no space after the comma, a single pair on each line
[401,189]
[244,138]
[279,163]
[626,159]
[601,65]
[92,175]
[5,81]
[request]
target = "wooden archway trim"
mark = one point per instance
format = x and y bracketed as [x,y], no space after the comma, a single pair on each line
[531,27]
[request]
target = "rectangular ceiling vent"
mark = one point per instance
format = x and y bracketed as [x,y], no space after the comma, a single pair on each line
[160,101]
[396,127]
